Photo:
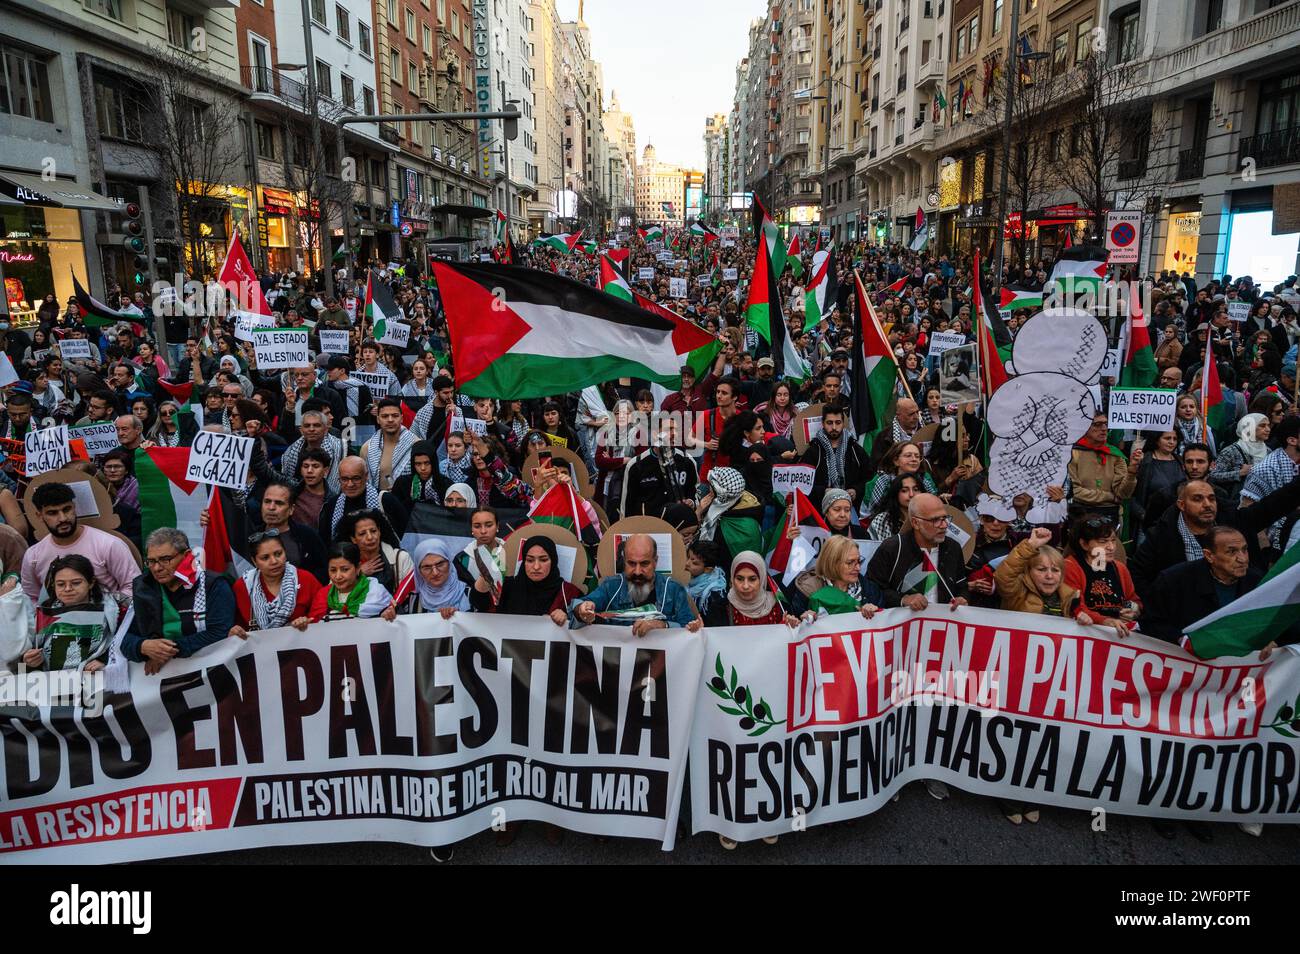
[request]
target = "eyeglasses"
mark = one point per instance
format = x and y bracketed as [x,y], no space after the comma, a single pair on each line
[261,535]
[152,562]
[437,567]
[933,521]
[352,480]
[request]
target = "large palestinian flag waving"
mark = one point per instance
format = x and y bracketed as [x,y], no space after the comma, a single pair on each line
[563,243]
[522,333]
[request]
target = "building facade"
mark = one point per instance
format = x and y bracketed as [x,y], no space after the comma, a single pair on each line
[661,191]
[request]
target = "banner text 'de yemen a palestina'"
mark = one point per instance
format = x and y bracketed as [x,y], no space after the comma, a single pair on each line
[422,731]
[829,723]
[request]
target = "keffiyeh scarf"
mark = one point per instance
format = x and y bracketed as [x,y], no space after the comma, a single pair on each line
[834,457]
[372,503]
[727,484]
[293,457]
[272,614]
[1191,548]
[401,455]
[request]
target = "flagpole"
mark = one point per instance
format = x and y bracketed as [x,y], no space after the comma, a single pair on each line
[871,313]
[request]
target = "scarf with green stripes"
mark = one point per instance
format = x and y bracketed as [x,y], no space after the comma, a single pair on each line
[352,604]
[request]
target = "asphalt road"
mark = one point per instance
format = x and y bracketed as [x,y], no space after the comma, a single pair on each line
[916,829]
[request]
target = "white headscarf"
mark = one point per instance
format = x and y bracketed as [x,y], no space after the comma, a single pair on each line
[763,601]
[471,498]
[1255,450]
[451,592]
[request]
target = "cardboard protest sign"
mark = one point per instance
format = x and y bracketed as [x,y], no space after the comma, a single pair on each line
[1142,409]
[788,477]
[645,274]
[958,382]
[335,341]
[941,341]
[280,348]
[71,348]
[1238,310]
[220,459]
[46,449]
[677,287]
[729,274]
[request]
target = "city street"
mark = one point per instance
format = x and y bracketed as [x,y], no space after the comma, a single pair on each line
[914,830]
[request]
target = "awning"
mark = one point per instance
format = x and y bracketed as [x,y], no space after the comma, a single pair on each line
[55,193]
[463,211]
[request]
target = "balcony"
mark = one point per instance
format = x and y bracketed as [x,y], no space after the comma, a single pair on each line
[388,133]
[1271,149]
[1191,164]
[1132,168]
[1228,50]
[875,52]
[930,70]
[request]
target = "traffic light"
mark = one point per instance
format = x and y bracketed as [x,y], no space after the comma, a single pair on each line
[135,245]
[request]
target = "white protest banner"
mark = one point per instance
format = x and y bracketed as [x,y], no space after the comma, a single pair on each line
[8,375]
[220,459]
[677,287]
[280,348]
[377,382]
[727,243]
[788,477]
[1142,409]
[1238,310]
[46,450]
[99,438]
[74,348]
[335,340]
[729,274]
[645,274]
[396,333]
[941,341]
[442,732]
[246,322]
[1114,362]
[828,722]
[664,257]
[472,425]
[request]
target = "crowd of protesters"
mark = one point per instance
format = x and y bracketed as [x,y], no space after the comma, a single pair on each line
[1147,536]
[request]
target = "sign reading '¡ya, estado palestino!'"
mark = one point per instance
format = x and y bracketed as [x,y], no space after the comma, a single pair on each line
[280,348]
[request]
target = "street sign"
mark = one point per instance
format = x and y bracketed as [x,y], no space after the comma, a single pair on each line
[1123,236]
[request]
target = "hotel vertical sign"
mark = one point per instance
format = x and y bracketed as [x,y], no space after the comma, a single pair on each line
[483,83]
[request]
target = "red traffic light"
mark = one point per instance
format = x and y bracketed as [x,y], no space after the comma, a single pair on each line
[132,210]
[133,228]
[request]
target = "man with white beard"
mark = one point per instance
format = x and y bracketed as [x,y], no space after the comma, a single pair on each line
[638,597]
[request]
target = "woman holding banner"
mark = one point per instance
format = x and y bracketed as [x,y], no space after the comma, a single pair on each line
[351,594]
[272,594]
[844,588]
[381,558]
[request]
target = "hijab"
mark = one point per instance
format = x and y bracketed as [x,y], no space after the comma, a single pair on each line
[422,489]
[523,597]
[471,498]
[1255,450]
[451,592]
[763,602]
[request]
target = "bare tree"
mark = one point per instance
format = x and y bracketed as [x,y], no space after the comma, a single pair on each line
[325,189]
[192,128]
[1112,139]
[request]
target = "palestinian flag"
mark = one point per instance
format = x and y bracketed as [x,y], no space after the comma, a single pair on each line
[1139,369]
[225,542]
[1013,299]
[1250,622]
[676,242]
[651,233]
[763,312]
[697,347]
[700,230]
[788,557]
[564,243]
[380,306]
[612,280]
[167,499]
[874,371]
[501,226]
[1214,409]
[1078,268]
[898,286]
[822,290]
[546,334]
[563,507]
[715,271]
[588,246]
[95,314]
[793,256]
[992,374]
[180,391]
[766,229]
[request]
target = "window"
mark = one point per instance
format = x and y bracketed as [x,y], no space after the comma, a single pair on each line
[1127,33]
[1076,140]
[118,110]
[318,11]
[367,101]
[180,29]
[347,92]
[1083,40]
[260,55]
[363,38]
[442,11]
[412,77]
[343,23]
[410,25]
[24,85]
[265,139]
[428,39]
[1279,104]
[961,43]
[455,22]
[323,85]
[995,26]
[108,8]
[1060,52]
[396,69]
[974,39]
[925,52]
[392,13]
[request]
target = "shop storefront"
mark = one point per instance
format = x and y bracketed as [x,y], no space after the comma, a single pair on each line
[207,222]
[1184,235]
[275,229]
[41,241]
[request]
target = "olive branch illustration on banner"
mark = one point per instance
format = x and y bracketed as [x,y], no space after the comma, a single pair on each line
[1287,716]
[753,716]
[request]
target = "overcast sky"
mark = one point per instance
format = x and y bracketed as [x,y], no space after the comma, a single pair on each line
[672,63]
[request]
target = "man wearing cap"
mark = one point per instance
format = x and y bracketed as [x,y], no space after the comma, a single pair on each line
[693,396]
[760,389]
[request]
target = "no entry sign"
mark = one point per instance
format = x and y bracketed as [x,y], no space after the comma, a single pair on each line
[1123,237]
